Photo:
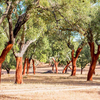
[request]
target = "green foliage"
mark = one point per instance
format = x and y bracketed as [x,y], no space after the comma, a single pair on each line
[9,62]
[43,58]
[84,58]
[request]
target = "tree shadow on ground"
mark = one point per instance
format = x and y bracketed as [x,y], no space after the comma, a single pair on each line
[6,97]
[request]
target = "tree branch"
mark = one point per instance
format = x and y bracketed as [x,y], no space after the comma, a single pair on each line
[72,53]
[6,12]
[91,48]
[78,52]
[24,48]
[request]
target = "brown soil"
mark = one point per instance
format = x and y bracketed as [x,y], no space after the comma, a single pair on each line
[45,85]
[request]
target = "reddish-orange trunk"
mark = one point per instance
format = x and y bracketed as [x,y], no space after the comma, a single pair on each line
[24,66]
[56,65]
[94,60]
[18,70]
[66,67]
[3,55]
[73,66]
[91,70]
[0,72]
[28,66]
[33,66]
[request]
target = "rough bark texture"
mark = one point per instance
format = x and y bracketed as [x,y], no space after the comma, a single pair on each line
[94,60]
[33,66]
[18,70]
[24,66]
[66,67]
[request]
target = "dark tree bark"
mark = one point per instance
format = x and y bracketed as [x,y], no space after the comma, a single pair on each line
[33,66]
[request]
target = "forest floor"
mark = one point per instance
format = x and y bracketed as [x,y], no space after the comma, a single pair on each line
[45,85]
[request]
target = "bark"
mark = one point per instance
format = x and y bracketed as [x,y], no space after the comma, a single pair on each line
[74,66]
[53,68]
[81,70]
[8,71]
[94,60]
[6,12]
[28,65]
[56,65]
[66,67]
[74,59]
[18,70]
[0,72]
[33,66]
[92,68]
[24,66]
[3,55]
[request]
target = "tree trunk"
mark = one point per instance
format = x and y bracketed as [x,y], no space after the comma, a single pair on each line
[28,65]
[66,67]
[33,66]
[56,65]
[94,60]
[3,55]
[74,66]
[8,71]
[81,70]
[24,66]
[92,69]
[74,59]
[53,68]
[0,72]
[18,70]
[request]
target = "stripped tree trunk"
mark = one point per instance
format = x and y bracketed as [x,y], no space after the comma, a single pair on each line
[28,65]
[74,59]
[25,62]
[0,72]
[74,66]
[56,65]
[66,67]
[33,66]
[94,60]
[3,55]
[18,70]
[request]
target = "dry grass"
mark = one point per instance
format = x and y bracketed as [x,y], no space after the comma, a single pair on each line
[49,86]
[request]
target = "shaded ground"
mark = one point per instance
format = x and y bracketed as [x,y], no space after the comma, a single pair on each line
[51,86]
